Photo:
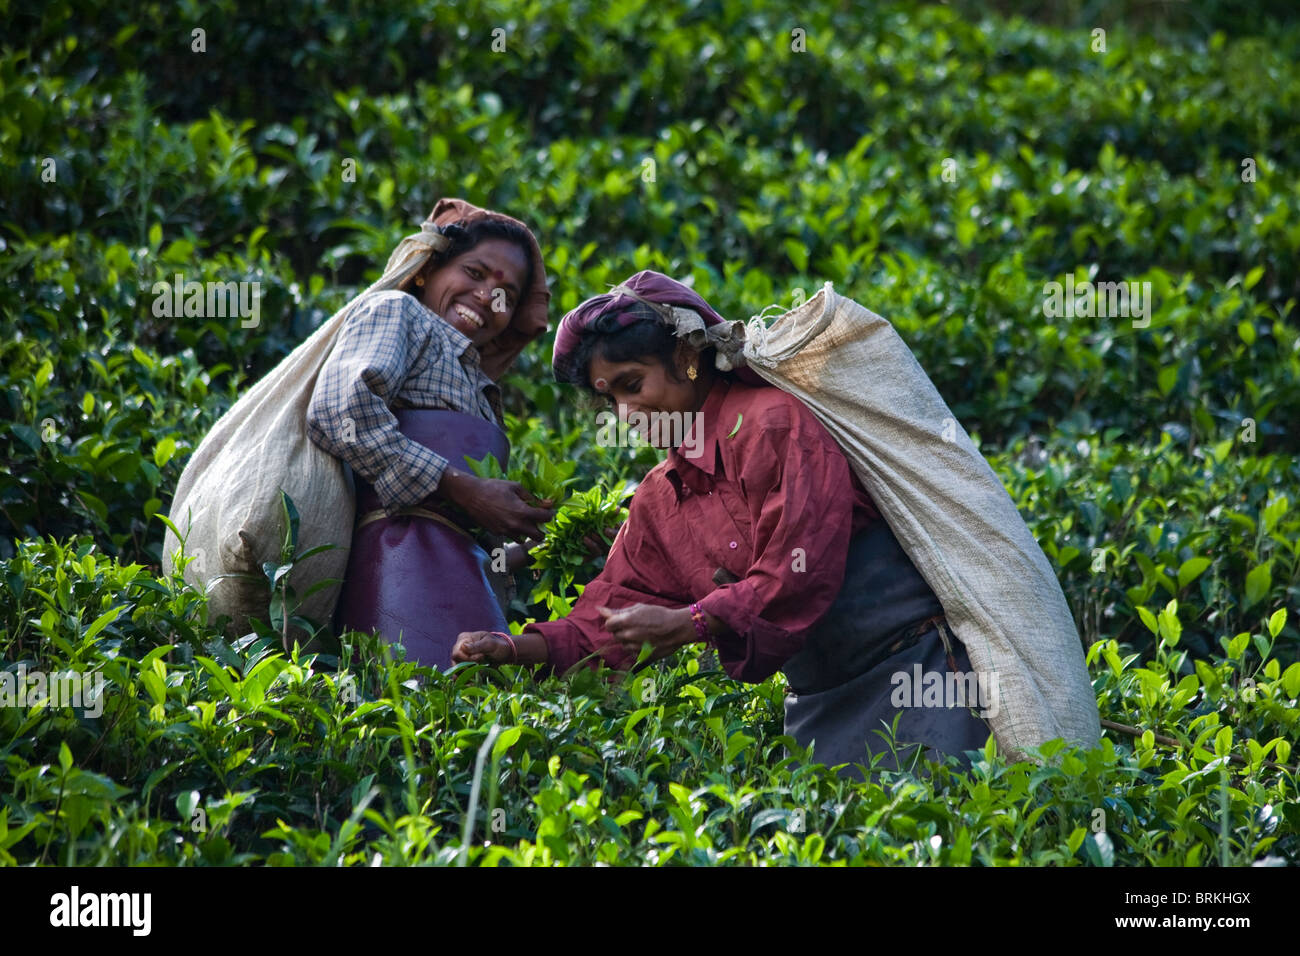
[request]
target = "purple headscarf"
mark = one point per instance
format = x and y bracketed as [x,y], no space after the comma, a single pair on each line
[650,287]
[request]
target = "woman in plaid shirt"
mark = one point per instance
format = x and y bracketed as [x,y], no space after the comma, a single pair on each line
[407,393]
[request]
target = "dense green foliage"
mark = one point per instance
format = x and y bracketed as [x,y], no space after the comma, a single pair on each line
[937,167]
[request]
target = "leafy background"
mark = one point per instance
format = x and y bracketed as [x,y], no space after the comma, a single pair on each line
[1156,466]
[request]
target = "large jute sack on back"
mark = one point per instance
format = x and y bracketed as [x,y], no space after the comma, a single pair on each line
[228,506]
[946,506]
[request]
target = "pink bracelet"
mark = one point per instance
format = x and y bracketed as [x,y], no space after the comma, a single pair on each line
[514,648]
[701,626]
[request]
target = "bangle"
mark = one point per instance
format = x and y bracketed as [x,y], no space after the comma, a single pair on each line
[514,648]
[701,626]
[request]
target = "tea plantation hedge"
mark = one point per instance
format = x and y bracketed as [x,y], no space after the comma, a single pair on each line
[940,164]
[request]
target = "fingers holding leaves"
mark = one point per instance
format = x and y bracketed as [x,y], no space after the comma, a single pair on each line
[479,647]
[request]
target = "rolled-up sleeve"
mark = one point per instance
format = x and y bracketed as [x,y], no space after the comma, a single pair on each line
[349,415]
[798,487]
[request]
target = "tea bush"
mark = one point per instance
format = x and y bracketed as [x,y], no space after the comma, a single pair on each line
[940,165]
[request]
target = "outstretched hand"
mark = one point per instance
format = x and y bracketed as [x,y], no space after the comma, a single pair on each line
[479,647]
[498,506]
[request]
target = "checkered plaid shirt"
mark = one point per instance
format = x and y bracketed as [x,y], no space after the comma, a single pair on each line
[393,352]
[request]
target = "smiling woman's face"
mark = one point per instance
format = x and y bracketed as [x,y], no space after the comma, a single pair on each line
[644,385]
[476,292]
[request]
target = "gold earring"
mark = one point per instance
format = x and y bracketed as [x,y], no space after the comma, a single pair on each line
[691,373]
[419,280]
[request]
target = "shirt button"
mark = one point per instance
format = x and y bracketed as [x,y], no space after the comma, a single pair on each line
[733,546]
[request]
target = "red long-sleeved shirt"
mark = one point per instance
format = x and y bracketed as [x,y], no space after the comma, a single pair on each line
[775,504]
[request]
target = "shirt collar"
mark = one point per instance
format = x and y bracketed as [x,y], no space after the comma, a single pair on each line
[461,344]
[470,358]
[703,435]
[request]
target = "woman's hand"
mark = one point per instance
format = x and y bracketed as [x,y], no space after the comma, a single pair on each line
[497,506]
[478,647]
[664,629]
[517,556]
[488,647]
[597,547]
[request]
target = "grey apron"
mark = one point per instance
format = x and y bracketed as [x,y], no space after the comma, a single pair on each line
[879,653]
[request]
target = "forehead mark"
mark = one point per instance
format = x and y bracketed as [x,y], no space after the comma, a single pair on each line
[496,274]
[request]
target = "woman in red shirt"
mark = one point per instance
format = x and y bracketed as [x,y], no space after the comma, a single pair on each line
[754,536]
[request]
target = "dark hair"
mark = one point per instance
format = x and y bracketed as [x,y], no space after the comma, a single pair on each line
[638,341]
[464,238]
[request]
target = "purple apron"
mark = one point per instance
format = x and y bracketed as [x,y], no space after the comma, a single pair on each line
[421,579]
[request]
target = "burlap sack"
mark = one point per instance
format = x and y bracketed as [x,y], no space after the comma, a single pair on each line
[227,504]
[944,503]
[230,510]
